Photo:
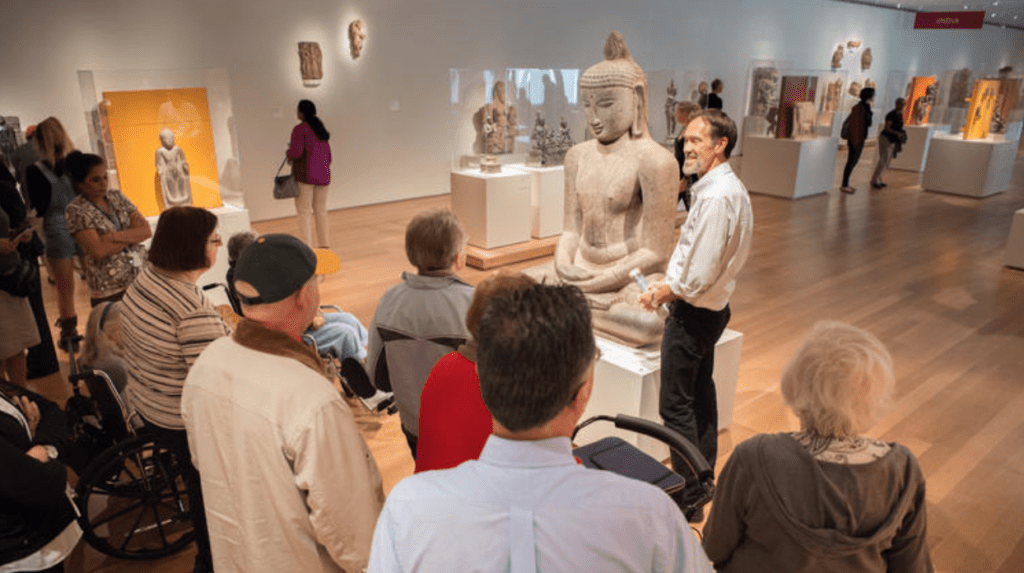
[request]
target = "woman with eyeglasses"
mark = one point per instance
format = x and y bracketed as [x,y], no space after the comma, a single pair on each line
[107,225]
[166,322]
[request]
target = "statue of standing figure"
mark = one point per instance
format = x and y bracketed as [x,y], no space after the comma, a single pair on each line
[670,111]
[621,189]
[172,168]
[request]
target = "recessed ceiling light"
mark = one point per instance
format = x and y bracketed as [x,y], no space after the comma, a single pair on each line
[993,15]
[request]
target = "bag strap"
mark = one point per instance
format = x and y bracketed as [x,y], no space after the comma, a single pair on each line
[282,166]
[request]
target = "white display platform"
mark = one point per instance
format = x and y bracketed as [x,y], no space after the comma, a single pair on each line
[791,168]
[494,208]
[230,220]
[1014,256]
[547,200]
[975,168]
[831,130]
[915,150]
[628,380]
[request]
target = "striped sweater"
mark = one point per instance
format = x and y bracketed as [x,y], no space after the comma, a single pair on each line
[165,324]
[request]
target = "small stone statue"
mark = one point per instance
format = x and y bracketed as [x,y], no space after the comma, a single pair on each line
[804,119]
[766,86]
[865,59]
[833,92]
[854,90]
[356,38]
[837,57]
[173,170]
[772,117]
[549,148]
[922,106]
[496,115]
[670,111]
[311,63]
[959,91]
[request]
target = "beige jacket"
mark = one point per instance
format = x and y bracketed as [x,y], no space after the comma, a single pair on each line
[288,481]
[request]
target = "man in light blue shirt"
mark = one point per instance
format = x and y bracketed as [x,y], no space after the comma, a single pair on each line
[526,505]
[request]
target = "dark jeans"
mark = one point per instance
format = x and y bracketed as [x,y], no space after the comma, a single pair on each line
[688,403]
[42,358]
[851,161]
[412,440]
[176,441]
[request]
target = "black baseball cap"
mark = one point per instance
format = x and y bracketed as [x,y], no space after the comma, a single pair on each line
[277,265]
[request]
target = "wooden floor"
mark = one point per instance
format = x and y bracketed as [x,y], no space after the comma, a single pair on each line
[920,270]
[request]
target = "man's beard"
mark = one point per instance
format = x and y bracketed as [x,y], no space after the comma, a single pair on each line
[693,166]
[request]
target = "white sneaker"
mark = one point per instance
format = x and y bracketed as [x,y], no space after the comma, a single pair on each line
[379,401]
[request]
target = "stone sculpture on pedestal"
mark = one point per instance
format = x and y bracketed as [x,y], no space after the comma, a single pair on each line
[766,86]
[172,168]
[805,117]
[495,114]
[960,90]
[670,112]
[311,63]
[837,57]
[620,193]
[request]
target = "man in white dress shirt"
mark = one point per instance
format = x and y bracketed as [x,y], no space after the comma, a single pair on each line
[526,505]
[701,276]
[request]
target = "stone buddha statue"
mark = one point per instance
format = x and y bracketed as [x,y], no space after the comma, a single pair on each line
[620,196]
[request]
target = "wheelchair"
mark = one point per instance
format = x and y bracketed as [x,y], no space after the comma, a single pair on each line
[131,494]
[616,455]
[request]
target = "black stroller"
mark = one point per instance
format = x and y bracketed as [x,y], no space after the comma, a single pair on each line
[616,455]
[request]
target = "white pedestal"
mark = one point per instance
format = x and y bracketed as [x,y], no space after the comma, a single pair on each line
[494,208]
[975,168]
[790,168]
[547,200]
[628,380]
[230,220]
[915,150]
[1014,256]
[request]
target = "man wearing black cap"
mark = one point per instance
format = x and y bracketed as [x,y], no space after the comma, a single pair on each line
[291,485]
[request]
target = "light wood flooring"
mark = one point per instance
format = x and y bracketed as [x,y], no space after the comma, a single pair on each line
[921,270]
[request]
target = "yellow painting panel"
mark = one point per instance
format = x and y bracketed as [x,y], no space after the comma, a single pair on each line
[136,119]
[983,103]
[918,90]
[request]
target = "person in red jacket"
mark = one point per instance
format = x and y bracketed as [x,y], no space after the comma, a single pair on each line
[454,423]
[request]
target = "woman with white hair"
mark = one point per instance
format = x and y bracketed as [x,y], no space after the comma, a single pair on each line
[826,498]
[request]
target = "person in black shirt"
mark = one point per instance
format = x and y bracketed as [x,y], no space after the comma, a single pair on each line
[855,132]
[715,97]
[890,141]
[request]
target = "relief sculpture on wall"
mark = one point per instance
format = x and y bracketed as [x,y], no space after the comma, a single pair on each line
[356,38]
[311,63]
[837,57]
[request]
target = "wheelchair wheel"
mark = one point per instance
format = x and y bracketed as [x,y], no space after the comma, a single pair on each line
[133,501]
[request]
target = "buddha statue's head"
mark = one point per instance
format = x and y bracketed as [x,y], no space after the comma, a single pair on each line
[614,94]
[167,138]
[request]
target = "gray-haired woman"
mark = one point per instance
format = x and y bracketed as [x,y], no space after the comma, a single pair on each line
[826,498]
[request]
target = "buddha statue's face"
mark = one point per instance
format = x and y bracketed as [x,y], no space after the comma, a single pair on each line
[167,139]
[609,111]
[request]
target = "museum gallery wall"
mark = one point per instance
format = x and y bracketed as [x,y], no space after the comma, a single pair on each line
[389,108]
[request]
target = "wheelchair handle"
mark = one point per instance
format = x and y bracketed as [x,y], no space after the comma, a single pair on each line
[673,439]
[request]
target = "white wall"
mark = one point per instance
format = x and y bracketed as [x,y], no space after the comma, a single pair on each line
[382,155]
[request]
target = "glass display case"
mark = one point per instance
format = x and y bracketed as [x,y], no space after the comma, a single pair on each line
[167,136]
[514,116]
[789,103]
[953,98]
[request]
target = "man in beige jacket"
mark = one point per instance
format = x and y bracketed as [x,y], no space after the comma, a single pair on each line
[288,480]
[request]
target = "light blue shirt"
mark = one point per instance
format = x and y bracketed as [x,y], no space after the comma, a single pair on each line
[528,507]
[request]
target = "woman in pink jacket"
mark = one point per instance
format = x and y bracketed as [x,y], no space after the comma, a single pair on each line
[310,156]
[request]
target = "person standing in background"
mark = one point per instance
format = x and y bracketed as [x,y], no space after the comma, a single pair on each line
[715,97]
[855,132]
[890,141]
[310,156]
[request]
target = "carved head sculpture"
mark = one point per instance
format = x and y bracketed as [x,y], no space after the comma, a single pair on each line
[499,91]
[614,93]
[356,38]
[837,57]
[865,59]
[167,138]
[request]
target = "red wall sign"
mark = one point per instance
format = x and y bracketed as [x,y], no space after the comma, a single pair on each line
[949,20]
